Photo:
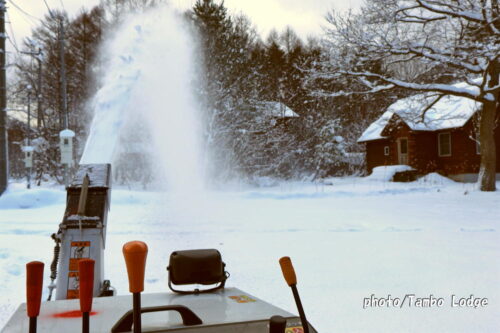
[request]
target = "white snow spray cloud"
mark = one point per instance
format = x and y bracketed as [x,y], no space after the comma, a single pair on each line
[148,75]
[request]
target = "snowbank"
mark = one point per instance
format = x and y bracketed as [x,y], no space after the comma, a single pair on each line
[18,197]
[386,173]
[436,179]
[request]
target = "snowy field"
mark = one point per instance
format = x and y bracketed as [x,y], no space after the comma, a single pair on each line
[348,239]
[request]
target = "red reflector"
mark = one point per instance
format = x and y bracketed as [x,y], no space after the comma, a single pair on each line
[71,314]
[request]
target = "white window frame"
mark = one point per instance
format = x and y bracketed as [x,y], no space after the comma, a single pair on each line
[439,144]
[406,145]
[386,151]
[400,154]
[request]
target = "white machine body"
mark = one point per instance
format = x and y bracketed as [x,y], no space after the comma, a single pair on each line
[227,310]
[79,244]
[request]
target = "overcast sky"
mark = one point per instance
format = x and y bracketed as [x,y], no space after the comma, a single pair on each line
[305,16]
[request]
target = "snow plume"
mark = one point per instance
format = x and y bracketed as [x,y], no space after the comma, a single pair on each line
[145,117]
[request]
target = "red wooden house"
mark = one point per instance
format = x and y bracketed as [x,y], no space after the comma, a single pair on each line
[430,134]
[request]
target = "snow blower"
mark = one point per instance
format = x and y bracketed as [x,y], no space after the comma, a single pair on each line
[86,302]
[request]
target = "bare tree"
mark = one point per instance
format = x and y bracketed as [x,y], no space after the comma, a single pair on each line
[460,39]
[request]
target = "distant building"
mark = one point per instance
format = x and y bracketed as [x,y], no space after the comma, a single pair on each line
[16,136]
[276,110]
[264,115]
[430,134]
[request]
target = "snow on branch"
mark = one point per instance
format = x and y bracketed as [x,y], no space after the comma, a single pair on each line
[448,89]
[492,90]
[440,7]
[427,51]
[343,93]
[387,51]
[408,16]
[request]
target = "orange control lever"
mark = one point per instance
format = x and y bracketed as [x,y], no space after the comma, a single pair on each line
[291,279]
[288,271]
[86,274]
[34,282]
[135,254]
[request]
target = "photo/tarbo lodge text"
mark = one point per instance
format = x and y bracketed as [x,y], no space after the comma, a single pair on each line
[428,301]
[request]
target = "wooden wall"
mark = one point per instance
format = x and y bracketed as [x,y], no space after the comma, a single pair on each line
[423,150]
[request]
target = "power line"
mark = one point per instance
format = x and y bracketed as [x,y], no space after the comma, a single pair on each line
[13,44]
[23,11]
[62,5]
[48,8]
[12,37]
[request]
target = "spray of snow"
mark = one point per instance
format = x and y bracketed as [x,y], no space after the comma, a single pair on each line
[148,66]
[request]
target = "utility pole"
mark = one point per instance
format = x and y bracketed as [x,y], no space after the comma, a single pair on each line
[39,96]
[28,169]
[39,120]
[37,56]
[64,105]
[4,163]
[64,101]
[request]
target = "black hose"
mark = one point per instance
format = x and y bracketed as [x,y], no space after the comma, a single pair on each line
[55,261]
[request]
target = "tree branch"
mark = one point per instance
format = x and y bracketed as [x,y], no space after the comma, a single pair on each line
[430,106]
[431,87]
[457,13]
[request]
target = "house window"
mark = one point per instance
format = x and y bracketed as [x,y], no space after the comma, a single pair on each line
[444,144]
[386,150]
[66,141]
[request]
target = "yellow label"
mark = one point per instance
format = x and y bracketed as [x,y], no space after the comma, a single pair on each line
[72,294]
[242,299]
[84,243]
[295,329]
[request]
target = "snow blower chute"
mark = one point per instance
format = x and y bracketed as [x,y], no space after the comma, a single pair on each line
[82,233]
[199,301]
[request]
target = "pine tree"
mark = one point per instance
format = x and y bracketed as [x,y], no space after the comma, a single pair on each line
[224,50]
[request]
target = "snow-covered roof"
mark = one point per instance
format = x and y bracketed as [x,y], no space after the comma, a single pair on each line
[67,133]
[446,112]
[99,175]
[277,109]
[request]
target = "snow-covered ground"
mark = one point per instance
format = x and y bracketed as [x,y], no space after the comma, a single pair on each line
[348,239]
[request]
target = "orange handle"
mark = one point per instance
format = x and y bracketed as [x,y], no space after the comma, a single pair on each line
[135,254]
[288,271]
[34,283]
[86,275]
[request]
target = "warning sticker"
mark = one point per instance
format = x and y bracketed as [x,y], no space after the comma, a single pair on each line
[79,250]
[73,285]
[242,299]
[295,329]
